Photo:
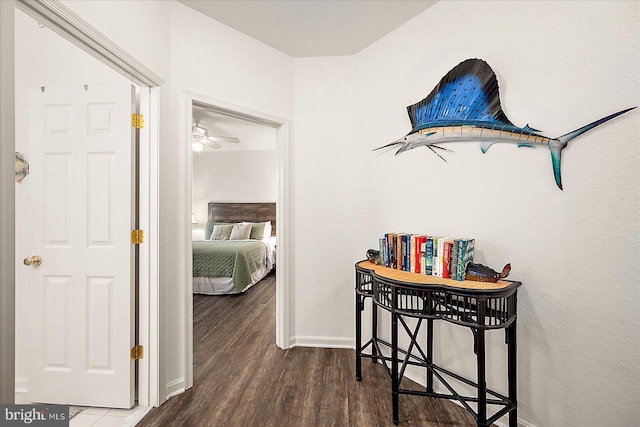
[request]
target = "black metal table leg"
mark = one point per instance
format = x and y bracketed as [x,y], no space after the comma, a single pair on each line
[482,382]
[429,354]
[512,373]
[374,331]
[395,383]
[359,304]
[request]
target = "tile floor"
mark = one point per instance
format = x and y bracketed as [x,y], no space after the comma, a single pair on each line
[102,417]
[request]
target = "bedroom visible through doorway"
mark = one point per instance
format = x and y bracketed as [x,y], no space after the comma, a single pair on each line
[238,159]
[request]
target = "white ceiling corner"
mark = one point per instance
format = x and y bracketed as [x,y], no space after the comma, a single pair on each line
[308,28]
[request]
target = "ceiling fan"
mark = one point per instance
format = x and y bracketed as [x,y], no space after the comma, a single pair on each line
[200,137]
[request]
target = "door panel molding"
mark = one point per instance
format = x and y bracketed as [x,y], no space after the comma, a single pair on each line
[82,320]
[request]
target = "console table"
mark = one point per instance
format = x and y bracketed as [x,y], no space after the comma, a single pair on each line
[477,305]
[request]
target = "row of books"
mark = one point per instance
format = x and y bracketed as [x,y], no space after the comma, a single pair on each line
[431,255]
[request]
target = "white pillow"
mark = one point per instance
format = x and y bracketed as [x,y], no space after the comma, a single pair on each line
[267,231]
[221,232]
[241,231]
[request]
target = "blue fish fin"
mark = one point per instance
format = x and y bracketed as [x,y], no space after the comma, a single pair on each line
[484,145]
[556,158]
[524,144]
[530,129]
[468,93]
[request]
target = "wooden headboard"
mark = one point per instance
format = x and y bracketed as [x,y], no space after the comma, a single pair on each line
[238,212]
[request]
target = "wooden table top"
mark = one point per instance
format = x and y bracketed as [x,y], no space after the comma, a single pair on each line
[423,279]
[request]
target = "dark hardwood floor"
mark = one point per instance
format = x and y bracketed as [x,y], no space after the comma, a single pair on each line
[241,378]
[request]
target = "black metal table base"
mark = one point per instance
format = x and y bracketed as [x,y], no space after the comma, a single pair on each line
[470,314]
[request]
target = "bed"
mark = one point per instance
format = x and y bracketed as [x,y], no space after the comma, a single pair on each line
[231,259]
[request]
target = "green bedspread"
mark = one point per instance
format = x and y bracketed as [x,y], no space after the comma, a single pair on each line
[229,258]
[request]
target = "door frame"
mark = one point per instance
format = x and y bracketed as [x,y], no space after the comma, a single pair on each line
[71,27]
[7,204]
[283,207]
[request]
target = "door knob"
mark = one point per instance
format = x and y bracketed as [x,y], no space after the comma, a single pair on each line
[33,260]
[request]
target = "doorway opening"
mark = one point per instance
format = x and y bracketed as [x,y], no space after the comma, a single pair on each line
[196,104]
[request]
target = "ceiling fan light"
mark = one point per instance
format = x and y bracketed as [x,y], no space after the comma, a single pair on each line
[198,132]
[197,146]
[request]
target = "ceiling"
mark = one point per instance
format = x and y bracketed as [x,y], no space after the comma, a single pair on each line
[252,136]
[305,28]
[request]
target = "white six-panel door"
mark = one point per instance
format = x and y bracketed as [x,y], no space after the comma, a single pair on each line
[79,220]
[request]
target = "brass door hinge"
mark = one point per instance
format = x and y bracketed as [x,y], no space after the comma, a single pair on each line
[137,236]
[137,352]
[137,121]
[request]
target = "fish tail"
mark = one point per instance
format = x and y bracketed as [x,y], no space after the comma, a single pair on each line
[569,136]
[505,271]
[557,145]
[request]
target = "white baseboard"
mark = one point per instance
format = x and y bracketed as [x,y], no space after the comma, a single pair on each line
[322,342]
[174,388]
[137,416]
[22,385]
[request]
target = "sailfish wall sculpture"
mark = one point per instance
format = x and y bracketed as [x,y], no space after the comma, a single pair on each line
[465,106]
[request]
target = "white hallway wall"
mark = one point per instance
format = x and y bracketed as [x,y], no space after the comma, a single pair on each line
[560,65]
[231,176]
[326,184]
[38,63]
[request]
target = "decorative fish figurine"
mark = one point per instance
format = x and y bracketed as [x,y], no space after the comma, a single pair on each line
[465,106]
[482,273]
[373,256]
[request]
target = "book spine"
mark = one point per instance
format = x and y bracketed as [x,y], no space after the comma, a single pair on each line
[406,239]
[399,252]
[407,254]
[437,259]
[423,249]
[392,252]
[386,250]
[413,253]
[404,253]
[446,259]
[417,255]
[465,256]
[381,259]
[460,267]
[429,256]
[470,248]
[454,259]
